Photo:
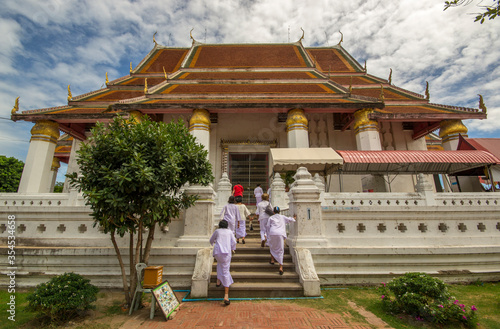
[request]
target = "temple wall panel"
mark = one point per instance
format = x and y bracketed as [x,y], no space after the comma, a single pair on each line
[369,236]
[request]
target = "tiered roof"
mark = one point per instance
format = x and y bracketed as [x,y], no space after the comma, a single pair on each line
[239,77]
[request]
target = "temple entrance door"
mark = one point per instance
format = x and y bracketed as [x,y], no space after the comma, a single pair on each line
[249,169]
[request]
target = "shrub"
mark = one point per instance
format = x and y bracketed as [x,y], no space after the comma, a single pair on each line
[63,297]
[424,297]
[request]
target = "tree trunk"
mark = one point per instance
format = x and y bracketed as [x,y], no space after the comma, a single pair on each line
[122,268]
[149,242]
[133,275]
[139,243]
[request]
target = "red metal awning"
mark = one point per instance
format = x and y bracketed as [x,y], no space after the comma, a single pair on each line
[411,162]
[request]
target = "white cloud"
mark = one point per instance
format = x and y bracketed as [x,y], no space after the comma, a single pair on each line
[48,45]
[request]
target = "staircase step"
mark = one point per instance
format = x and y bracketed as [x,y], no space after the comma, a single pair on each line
[257,267]
[268,276]
[257,258]
[258,289]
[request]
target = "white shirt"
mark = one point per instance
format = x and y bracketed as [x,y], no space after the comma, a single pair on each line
[276,224]
[260,210]
[223,241]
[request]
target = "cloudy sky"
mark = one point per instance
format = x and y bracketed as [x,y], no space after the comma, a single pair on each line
[46,45]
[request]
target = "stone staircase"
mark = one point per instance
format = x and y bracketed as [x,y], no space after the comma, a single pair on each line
[252,274]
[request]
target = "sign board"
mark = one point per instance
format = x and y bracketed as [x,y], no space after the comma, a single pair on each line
[166,298]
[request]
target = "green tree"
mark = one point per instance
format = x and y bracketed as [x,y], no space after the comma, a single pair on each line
[10,173]
[131,175]
[58,187]
[490,12]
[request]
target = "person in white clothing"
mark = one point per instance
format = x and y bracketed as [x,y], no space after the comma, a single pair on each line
[276,235]
[257,192]
[231,214]
[262,216]
[241,225]
[224,243]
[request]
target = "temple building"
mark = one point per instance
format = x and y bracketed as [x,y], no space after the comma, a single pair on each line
[241,100]
[313,113]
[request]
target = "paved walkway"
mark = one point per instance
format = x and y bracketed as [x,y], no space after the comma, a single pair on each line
[244,315]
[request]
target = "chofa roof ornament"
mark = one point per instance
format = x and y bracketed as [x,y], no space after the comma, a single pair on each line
[341,39]
[482,106]
[16,106]
[302,37]
[154,40]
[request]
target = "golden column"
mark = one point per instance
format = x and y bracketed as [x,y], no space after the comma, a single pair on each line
[297,129]
[366,130]
[54,168]
[449,132]
[36,177]
[199,127]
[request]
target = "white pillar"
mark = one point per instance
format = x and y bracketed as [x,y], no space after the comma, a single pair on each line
[307,232]
[297,129]
[224,191]
[305,202]
[368,139]
[449,132]
[56,164]
[198,219]
[199,127]
[36,177]
[278,192]
[72,165]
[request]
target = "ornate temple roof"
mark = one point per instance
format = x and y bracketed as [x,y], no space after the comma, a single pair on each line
[237,77]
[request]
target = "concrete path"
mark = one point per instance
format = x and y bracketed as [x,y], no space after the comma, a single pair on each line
[244,315]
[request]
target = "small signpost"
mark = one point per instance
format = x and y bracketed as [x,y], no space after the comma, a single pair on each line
[166,299]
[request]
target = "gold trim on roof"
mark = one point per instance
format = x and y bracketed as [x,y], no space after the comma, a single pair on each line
[70,96]
[302,37]
[341,38]
[16,106]
[482,106]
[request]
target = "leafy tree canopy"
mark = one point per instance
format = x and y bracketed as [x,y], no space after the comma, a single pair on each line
[133,172]
[131,175]
[58,187]
[491,12]
[10,173]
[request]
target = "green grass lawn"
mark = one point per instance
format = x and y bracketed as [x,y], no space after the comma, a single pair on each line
[486,297]
[21,316]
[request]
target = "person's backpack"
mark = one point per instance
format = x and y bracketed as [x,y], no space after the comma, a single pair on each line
[269,209]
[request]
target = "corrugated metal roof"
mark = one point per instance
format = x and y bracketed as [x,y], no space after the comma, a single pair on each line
[427,162]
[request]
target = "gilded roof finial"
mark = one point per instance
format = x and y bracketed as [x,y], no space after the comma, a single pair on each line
[16,106]
[302,37]
[481,103]
[107,81]
[365,65]
[427,94]
[130,67]
[390,76]
[154,40]
[146,85]
[341,38]
[164,72]
[191,35]
[69,93]
[381,92]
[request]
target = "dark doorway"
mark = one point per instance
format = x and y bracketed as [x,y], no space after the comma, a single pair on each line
[249,169]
